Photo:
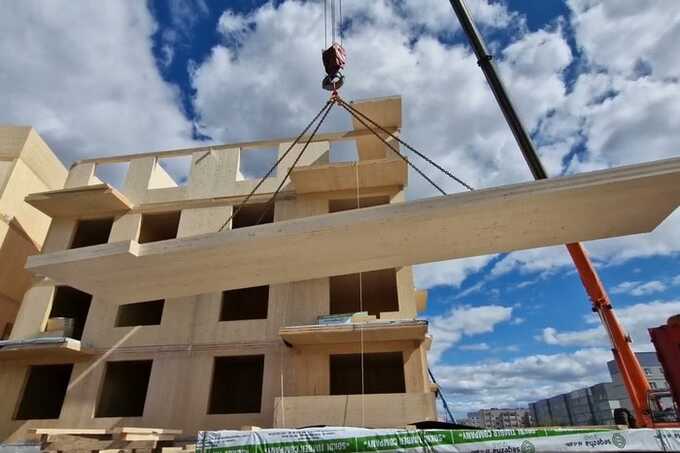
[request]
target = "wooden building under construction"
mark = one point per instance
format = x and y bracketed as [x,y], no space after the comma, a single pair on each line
[143,312]
[264,355]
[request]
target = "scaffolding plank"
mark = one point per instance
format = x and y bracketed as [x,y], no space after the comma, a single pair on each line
[343,176]
[588,206]
[85,201]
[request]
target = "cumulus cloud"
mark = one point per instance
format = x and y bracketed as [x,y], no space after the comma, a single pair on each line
[636,319]
[639,288]
[83,75]
[474,347]
[522,380]
[465,321]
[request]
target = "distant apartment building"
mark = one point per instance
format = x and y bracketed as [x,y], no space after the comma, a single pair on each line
[592,405]
[653,370]
[500,418]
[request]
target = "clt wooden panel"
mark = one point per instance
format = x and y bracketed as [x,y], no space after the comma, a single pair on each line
[343,176]
[595,205]
[353,333]
[86,201]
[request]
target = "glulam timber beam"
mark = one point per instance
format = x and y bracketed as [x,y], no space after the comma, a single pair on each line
[596,205]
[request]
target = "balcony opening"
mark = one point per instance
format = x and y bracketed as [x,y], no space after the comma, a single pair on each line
[140,314]
[383,373]
[92,232]
[378,290]
[245,303]
[123,392]
[44,392]
[249,215]
[73,305]
[351,203]
[254,164]
[237,385]
[159,227]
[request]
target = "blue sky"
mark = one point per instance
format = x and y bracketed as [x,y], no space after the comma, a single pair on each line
[596,81]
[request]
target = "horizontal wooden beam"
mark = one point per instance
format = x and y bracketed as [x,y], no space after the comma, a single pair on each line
[596,205]
[322,137]
[355,332]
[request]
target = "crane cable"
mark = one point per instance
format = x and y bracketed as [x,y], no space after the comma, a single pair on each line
[363,119]
[238,207]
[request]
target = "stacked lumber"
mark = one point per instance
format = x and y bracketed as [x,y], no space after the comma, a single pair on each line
[102,440]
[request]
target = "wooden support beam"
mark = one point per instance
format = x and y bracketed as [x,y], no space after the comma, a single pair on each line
[596,205]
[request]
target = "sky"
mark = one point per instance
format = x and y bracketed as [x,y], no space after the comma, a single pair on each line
[597,82]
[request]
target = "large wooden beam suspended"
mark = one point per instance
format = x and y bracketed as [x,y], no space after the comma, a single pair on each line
[596,205]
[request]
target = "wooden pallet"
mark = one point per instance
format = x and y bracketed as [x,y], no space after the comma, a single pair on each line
[102,440]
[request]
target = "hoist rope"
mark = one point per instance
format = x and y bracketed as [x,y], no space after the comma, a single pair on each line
[270,202]
[393,148]
[361,309]
[356,114]
[238,207]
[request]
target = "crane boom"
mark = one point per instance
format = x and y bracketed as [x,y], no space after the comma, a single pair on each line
[633,376]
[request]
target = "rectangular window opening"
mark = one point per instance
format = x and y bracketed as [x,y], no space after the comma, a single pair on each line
[249,215]
[237,385]
[378,290]
[383,373]
[44,392]
[73,305]
[255,163]
[113,174]
[159,227]
[178,168]
[351,203]
[245,303]
[140,314]
[92,232]
[123,392]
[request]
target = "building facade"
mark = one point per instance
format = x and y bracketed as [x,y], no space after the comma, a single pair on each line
[653,370]
[500,418]
[279,355]
[592,405]
[27,165]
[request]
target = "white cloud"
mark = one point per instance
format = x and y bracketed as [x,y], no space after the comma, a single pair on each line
[639,288]
[83,75]
[438,17]
[600,26]
[474,347]
[519,381]
[465,321]
[635,319]
[452,272]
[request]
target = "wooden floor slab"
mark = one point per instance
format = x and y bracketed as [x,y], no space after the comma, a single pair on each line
[354,333]
[87,201]
[596,205]
[69,350]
